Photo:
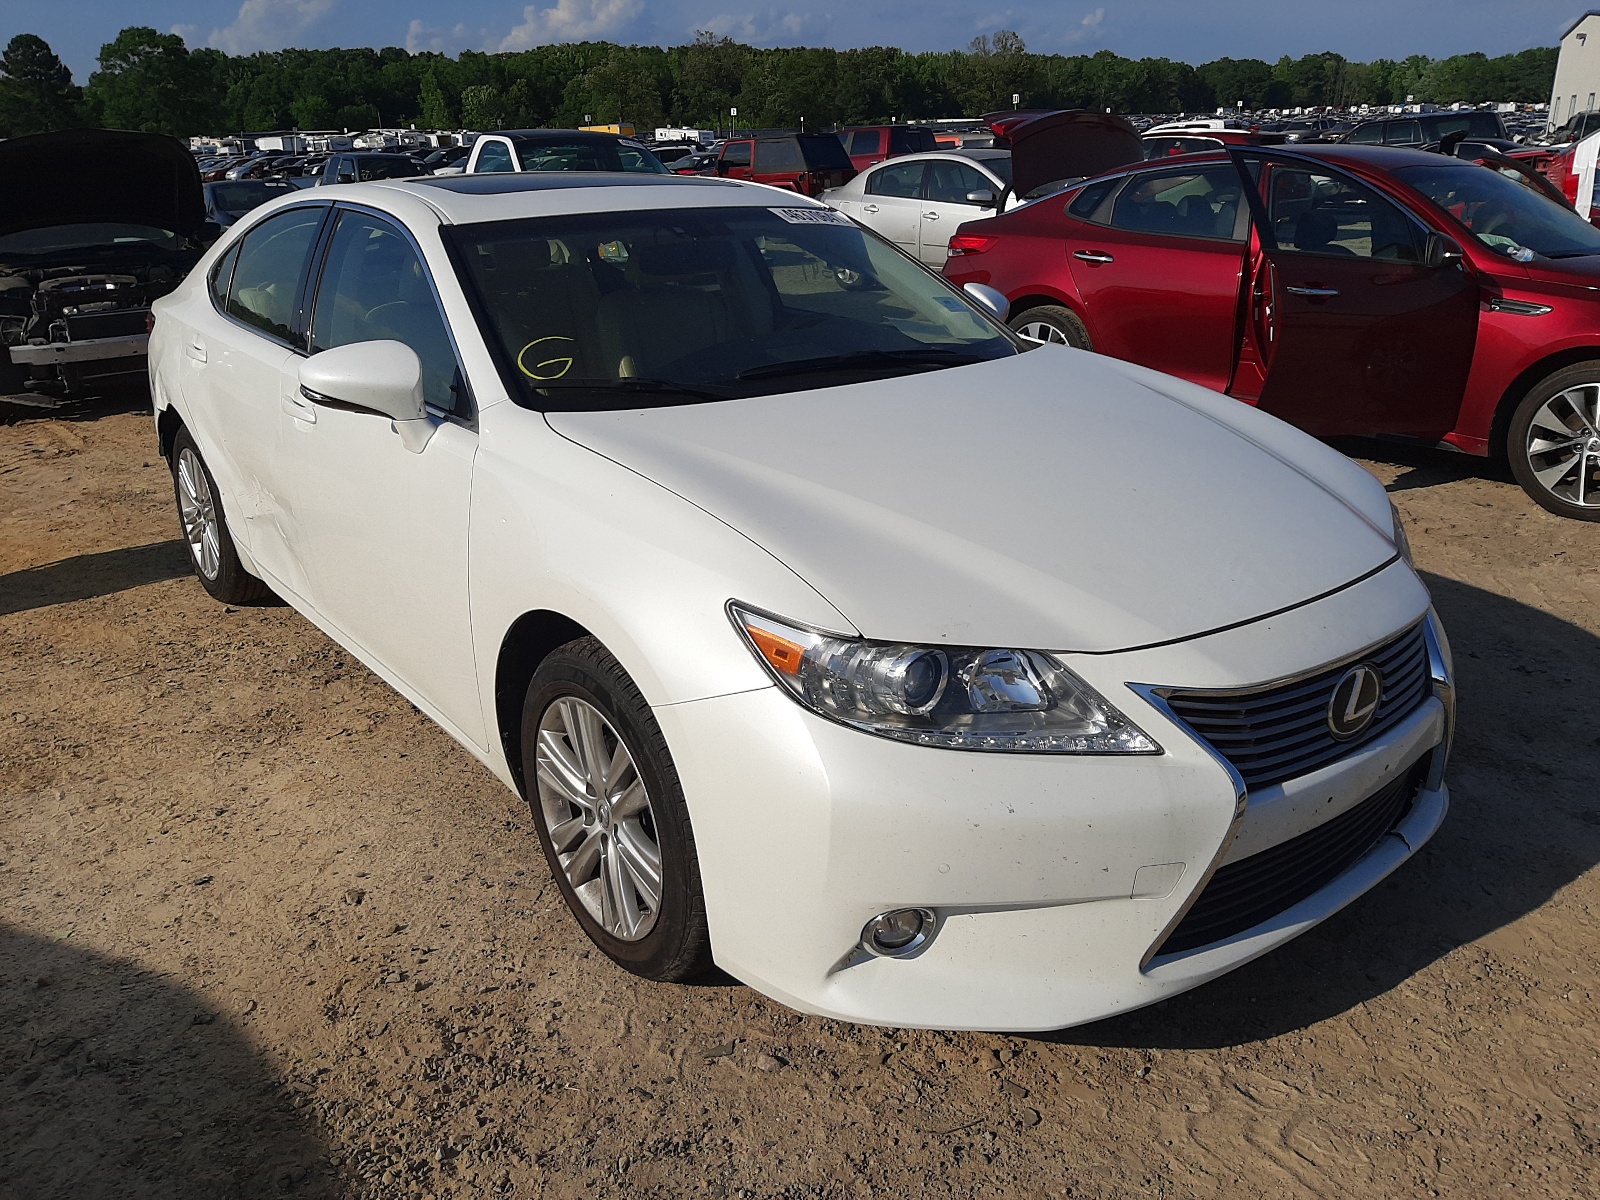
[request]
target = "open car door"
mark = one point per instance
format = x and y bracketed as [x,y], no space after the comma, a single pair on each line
[1362,318]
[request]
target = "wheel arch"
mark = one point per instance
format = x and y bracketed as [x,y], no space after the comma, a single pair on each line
[1037,299]
[168,423]
[1524,383]
[526,644]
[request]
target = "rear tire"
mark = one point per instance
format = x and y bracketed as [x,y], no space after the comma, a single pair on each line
[205,528]
[1052,324]
[1553,442]
[611,815]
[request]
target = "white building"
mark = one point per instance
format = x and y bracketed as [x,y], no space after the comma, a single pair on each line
[1577,70]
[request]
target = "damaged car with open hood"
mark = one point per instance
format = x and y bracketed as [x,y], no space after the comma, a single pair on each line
[95,224]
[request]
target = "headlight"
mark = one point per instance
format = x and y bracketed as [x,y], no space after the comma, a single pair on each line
[961,699]
[1401,542]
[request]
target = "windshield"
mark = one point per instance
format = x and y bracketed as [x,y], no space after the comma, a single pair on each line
[56,238]
[587,155]
[1503,215]
[243,195]
[622,310]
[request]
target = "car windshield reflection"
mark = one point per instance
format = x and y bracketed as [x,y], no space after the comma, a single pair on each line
[630,309]
[1503,214]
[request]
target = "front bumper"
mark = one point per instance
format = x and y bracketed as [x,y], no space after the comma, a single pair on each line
[53,354]
[1054,879]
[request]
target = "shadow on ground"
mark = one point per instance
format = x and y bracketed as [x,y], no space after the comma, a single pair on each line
[1524,822]
[116,1084]
[1427,466]
[85,576]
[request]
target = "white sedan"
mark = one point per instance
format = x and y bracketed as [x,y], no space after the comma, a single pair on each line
[919,200]
[832,638]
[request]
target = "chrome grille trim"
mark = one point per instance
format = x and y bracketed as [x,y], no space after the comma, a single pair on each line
[1276,732]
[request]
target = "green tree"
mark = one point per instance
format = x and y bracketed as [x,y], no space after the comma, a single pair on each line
[150,81]
[483,107]
[36,89]
[710,76]
[1234,79]
[436,113]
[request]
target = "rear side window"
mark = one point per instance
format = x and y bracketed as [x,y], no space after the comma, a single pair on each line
[374,288]
[779,154]
[495,156]
[1089,200]
[272,262]
[1402,133]
[949,182]
[824,153]
[866,141]
[386,168]
[902,180]
[1189,203]
[222,276]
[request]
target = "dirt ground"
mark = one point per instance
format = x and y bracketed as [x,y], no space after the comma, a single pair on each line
[265,931]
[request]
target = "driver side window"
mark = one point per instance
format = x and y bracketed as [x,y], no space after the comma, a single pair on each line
[1328,215]
[900,180]
[375,288]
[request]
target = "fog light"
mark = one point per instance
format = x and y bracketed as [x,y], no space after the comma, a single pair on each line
[898,932]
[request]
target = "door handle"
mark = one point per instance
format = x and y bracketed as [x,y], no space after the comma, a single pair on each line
[930,216]
[195,349]
[1311,291]
[298,406]
[869,208]
[1094,256]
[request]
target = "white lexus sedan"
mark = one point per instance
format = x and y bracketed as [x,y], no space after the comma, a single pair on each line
[832,638]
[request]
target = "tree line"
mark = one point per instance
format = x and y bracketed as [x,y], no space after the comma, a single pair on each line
[152,81]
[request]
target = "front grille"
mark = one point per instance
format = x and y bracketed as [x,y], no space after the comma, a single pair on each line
[1243,894]
[1280,732]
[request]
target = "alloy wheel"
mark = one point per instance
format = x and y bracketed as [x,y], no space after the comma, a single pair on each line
[197,510]
[597,812]
[1563,445]
[1041,331]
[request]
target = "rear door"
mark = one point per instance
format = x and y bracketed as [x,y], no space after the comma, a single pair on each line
[1159,269]
[1355,332]
[892,204]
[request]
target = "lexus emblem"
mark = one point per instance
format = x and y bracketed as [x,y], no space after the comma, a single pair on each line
[1355,701]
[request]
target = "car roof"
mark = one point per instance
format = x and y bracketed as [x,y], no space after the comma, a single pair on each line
[555,135]
[985,154]
[468,199]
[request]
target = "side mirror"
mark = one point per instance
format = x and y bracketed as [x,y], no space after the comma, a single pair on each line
[1440,250]
[983,196]
[384,378]
[991,300]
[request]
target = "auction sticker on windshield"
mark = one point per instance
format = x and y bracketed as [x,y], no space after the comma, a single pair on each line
[811,216]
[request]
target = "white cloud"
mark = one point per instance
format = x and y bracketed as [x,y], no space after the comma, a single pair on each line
[571,21]
[263,25]
[757,29]
[420,37]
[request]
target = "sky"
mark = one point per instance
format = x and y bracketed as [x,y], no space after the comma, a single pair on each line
[1190,30]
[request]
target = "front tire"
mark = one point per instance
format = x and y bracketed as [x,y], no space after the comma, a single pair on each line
[205,528]
[1553,442]
[1052,324]
[611,815]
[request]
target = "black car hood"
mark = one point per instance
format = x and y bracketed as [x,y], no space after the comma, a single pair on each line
[90,176]
[1071,144]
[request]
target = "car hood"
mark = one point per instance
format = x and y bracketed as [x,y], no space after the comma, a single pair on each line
[89,176]
[1073,144]
[1056,500]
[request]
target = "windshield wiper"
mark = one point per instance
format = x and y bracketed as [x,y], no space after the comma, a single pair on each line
[652,387]
[921,358]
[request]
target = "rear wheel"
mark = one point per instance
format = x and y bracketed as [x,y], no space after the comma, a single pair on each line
[1051,323]
[1553,442]
[611,815]
[205,529]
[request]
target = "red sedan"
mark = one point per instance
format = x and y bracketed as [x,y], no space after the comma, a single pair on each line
[1346,289]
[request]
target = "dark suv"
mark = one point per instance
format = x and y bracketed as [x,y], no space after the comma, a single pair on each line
[1425,129]
[808,163]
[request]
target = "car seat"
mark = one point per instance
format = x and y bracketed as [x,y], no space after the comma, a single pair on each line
[672,307]
[1314,233]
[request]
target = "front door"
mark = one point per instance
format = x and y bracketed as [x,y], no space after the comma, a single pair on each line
[383,530]
[1356,334]
[1160,271]
[945,206]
